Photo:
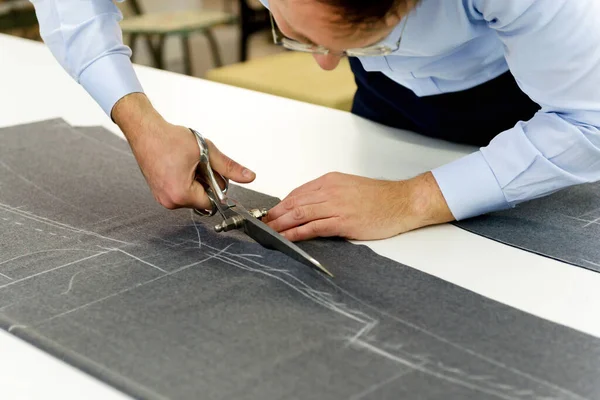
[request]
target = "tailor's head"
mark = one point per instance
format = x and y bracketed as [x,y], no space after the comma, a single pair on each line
[338,25]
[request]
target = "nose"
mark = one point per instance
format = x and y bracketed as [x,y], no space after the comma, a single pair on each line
[327,61]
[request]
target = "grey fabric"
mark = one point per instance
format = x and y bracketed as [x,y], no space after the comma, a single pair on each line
[564,226]
[157,304]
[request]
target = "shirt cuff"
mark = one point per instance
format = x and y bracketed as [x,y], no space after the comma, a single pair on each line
[470,187]
[110,78]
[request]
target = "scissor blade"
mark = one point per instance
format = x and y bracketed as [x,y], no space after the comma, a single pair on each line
[269,238]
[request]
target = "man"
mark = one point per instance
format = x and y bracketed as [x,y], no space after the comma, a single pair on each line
[519,77]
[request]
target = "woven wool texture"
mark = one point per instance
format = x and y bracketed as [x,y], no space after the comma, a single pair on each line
[157,304]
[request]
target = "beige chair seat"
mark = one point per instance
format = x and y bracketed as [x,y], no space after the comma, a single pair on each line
[175,22]
[178,23]
[293,75]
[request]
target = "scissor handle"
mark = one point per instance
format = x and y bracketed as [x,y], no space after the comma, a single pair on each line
[214,191]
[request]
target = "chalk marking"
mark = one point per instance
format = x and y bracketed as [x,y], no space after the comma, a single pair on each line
[51,270]
[56,224]
[44,251]
[379,385]
[142,261]
[41,189]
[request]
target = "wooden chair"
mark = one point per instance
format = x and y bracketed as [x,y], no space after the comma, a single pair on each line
[155,27]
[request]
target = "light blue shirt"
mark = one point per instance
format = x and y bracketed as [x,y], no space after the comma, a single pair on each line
[552,47]
[86,39]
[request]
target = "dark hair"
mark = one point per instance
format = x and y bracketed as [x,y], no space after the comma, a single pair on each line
[364,11]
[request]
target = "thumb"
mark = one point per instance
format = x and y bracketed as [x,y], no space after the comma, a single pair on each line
[228,167]
[198,197]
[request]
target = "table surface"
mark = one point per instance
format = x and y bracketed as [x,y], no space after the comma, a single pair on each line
[291,143]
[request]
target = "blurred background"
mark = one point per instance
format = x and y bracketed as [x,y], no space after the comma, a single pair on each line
[228,41]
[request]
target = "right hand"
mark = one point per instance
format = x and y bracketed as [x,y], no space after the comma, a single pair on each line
[168,155]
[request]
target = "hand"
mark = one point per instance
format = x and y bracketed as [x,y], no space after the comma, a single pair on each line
[358,208]
[168,155]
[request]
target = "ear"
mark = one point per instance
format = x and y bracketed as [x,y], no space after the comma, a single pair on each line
[399,11]
[393,17]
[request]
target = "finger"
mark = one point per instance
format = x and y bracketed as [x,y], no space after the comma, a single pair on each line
[289,203]
[311,186]
[198,198]
[302,215]
[319,228]
[200,177]
[220,181]
[317,184]
[228,167]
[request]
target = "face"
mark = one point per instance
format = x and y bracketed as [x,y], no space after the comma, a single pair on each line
[310,21]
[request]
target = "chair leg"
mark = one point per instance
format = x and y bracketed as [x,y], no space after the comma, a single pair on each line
[158,52]
[132,43]
[244,36]
[187,60]
[155,53]
[251,21]
[214,47]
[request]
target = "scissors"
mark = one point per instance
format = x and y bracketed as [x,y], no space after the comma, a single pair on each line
[235,216]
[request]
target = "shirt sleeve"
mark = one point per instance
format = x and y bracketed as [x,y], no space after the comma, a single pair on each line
[552,50]
[86,39]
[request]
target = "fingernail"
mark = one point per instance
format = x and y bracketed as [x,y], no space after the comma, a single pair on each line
[247,173]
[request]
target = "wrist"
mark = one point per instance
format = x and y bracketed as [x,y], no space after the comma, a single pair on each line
[134,114]
[426,202]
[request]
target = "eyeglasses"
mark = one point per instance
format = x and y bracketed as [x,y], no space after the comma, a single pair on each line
[370,51]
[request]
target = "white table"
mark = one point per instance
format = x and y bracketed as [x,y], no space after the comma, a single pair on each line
[292,143]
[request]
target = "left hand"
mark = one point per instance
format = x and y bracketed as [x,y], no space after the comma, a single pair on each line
[358,208]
